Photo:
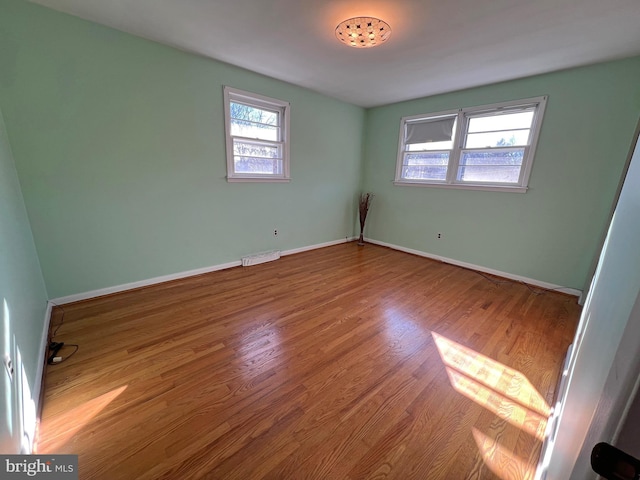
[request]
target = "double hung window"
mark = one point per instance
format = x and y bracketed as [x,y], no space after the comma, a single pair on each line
[257,130]
[488,147]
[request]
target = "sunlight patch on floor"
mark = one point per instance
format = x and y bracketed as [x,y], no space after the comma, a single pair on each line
[499,460]
[503,391]
[69,423]
[514,413]
[504,380]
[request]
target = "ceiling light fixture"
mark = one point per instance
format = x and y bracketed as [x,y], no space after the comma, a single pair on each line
[363,32]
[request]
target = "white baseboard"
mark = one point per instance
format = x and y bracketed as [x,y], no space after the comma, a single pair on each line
[199,271]
[316,246]
[176,276]
[511,276]
[142,283]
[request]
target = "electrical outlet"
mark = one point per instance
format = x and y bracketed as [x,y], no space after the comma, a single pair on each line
[439,235]
[8,364]
[275,233]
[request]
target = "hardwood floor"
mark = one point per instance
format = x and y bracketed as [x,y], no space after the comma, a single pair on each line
[341,363]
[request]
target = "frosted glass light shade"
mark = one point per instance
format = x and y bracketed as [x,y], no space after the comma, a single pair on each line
[363,32]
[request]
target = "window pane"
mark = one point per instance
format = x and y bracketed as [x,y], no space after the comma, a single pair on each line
[242,128]
[426,166]
[509,156]
[503,121]
[256,165]
[489,174]
[491,167]
[497,139]
[253,122]
[441,158]
[424,172]
[417,147]
[255,150]
[430,130]
[252,114]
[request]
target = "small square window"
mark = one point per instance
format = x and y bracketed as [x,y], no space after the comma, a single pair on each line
[257,137]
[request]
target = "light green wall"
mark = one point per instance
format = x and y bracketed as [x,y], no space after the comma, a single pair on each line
[551,232]
[119,146]
[23,298]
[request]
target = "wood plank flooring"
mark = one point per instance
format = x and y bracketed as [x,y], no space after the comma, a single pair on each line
[345,362]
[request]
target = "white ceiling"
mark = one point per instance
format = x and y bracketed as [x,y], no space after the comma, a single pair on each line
[436,46]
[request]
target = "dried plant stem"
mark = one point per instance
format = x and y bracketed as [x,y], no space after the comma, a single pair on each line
[364,204]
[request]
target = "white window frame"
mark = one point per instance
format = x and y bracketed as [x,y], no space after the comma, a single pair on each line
[460,133]
[259,101]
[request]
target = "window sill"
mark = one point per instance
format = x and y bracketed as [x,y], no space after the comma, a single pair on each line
[257,180]
[457,186]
